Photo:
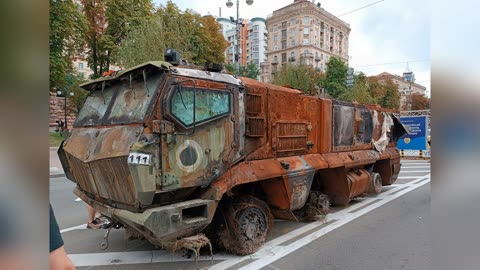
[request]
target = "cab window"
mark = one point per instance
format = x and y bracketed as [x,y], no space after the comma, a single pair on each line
[209,104]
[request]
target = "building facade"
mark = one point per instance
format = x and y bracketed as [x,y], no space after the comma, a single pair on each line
[229,32]
[406,87]
[303,32]
[257,41]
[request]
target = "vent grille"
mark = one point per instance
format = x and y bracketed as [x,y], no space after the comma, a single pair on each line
[254,104]
[255,127]
[291,138]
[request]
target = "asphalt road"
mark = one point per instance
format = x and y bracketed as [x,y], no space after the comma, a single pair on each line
[389,231]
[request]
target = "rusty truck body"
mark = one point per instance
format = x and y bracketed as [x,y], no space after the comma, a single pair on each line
[167,151]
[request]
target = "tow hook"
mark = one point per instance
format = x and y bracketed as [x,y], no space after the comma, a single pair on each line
[110,226]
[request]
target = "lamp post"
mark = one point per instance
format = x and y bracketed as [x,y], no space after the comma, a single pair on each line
[64,94]
[237,28]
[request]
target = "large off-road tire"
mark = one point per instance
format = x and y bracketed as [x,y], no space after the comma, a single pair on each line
[375,186]
[248,221]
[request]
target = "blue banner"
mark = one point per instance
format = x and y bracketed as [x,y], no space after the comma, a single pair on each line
[417,139]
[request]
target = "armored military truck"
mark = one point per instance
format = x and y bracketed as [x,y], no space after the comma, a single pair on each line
[166,151]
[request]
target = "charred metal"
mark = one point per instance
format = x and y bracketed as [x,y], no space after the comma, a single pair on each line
[167,152]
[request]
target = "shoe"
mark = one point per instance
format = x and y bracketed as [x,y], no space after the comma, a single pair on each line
[95,224]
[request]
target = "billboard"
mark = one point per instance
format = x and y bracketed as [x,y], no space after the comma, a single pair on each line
[417,139]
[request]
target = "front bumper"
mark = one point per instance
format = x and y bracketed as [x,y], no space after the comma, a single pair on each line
[163,223]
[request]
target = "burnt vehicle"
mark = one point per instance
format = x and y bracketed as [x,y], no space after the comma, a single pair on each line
[166,151]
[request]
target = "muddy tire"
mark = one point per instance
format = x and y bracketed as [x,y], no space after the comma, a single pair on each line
[375,186]
[248,221]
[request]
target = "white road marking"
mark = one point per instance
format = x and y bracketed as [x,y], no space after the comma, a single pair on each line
[136,257]
[272,251]
[416,171]
[79,227]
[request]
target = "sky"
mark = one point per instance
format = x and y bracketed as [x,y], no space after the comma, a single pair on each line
[384,36]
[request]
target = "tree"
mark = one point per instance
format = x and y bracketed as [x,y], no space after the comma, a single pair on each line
[196,38]
[359,92]
[301,77]
[97,43]
[67,28]
[72,84]
[249,71]
[123,16]
[336,77]
[419,102]
[392,97]
[376,89]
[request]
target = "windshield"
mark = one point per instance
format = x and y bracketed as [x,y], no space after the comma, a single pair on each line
[128,102]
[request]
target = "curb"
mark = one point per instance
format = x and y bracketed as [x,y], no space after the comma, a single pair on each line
[58,175]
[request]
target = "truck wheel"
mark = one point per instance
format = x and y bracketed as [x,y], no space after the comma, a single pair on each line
[248,221]
[375,186]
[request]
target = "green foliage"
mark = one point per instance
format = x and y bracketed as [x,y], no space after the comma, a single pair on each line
[196,38]
[56,139]
[360,91]
[391,99]
[336,77]
[67,29]
[419,102]
[97,43]
[72,84]
[301,77]
[230,68]
[250,71]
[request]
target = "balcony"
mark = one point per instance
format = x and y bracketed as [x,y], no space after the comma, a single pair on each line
[317,58]
[307,55]
[291,59]
[275,62]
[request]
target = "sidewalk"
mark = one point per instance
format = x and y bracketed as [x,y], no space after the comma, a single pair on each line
[56,169]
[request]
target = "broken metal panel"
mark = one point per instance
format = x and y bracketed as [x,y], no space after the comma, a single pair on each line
[206,75]
[343,121]
[364,130]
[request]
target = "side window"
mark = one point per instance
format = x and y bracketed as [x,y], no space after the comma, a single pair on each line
[209,104]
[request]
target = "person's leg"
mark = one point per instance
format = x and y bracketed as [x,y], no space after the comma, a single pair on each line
[91,213]
[93,223]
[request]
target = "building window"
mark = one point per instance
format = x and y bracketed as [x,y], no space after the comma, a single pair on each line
[284,34]
[284,44]
[293,21]
[275,28]
[305,41]
[255,28]
[275,38]
[275,59]
[306,20]
[284,58]
[284,25]
[292,32]
[306,31]
[292,42]
[80,66]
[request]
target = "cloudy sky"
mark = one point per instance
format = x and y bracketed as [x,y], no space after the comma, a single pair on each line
[384,35]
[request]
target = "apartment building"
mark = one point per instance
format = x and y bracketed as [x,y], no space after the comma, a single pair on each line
[229,32]
[257,41]
[406,86]
[303,32]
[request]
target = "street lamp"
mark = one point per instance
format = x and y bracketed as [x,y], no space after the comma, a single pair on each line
[237,25]
[64,94]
